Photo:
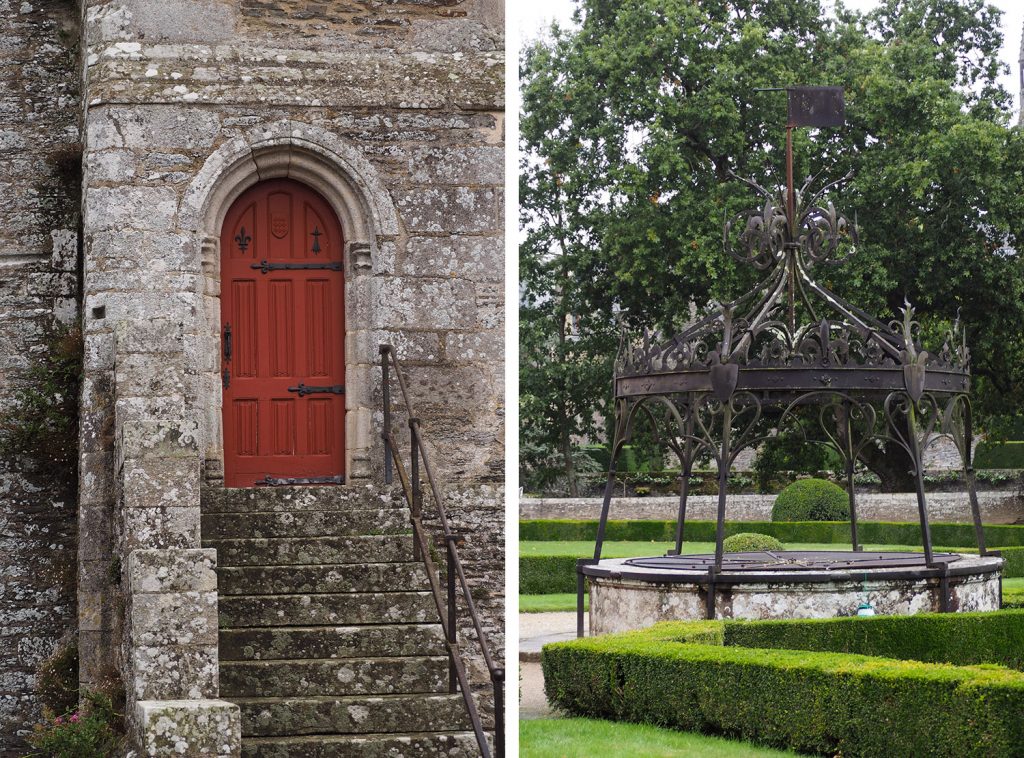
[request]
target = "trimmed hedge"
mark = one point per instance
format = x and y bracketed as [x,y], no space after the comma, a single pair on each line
[999,455]
[824,703]
[548,574]
[870,532]
[750,541]
[957,638]
[811,500]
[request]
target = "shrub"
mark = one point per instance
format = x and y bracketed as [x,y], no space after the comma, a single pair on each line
[87,733]
[811,500]
[999,455]
[822,703]
[957,638]
[745,542]
[57,678]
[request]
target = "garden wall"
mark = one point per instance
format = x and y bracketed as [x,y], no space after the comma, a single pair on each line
[997,507]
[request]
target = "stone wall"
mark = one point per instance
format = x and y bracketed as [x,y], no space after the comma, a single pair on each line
[997,507]
[39,155]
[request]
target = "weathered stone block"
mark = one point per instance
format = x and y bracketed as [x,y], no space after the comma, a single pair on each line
[429,304]
[173,671]
[162,571]
[457,165]
[158,438]
[171,619]
[147,208]
[160,528]
[121,250]
[188,728]
[475,347]
[462,209]
[160,483]
[480,259]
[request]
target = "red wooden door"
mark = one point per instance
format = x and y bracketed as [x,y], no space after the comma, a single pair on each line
[283,338]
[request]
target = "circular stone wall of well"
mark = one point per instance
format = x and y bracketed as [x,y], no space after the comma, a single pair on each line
[625,596]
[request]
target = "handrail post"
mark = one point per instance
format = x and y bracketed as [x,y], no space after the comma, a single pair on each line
[416,506]
[498,679]
[450,544]
[386,380]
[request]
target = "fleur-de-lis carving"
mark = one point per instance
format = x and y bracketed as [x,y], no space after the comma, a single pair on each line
[243,239]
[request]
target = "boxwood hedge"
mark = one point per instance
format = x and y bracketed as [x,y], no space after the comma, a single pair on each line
[957,638]
[680,675]
[548,574]
[870,532]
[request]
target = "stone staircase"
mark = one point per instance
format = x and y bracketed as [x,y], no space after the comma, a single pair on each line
[330,642]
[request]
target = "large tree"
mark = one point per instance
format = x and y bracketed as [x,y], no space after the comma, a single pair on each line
[633,119]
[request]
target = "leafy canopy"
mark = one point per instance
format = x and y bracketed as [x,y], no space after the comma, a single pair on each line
[632,120]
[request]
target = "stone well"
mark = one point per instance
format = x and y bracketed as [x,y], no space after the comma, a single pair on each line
[633,593]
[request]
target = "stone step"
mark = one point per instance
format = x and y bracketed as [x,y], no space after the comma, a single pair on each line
[327,609]
[276,717]
[331,642]
[312,550]
[267,499]
[358,521]
[320,678]
[345,577]
[421,745]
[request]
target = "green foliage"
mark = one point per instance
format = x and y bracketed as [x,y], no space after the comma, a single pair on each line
[745,542]
[871,532]
[811,500]
[91,732]
[547,574]
[1002,455]
[633,119]
[957,638]
[57,678]
[791,452]
[41,423]
[682,676]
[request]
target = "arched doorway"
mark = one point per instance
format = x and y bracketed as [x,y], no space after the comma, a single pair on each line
[282,338]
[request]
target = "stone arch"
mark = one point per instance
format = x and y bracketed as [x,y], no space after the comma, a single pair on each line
[356,192]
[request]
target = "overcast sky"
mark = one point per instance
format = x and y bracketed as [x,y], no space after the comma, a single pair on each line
[529,17]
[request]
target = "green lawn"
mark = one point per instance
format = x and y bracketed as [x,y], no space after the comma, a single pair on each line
[560,601]
[588,738]
[585,549]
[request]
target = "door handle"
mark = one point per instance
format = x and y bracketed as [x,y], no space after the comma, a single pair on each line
[227,342]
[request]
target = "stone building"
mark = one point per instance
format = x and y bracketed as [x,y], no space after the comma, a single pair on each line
[238,201]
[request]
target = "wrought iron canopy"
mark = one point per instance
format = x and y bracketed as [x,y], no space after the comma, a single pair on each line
[788,353]
[791,334]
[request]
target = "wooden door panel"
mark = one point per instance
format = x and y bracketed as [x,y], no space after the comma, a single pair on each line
[286,332]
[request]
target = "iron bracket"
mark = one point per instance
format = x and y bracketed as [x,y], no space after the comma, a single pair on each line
[305,389]
[265,267]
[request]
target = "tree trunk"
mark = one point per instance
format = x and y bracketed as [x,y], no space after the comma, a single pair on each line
[891,463]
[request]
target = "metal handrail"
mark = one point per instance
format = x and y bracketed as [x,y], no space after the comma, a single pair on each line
[446,610]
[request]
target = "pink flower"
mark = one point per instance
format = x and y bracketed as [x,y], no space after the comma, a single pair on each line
[59,720]
[74,718]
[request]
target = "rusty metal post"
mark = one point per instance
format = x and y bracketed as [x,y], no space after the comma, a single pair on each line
[684,485]
[850,457]
[386,382]
[922,504]
[450,549]
[416,506]
[498,679]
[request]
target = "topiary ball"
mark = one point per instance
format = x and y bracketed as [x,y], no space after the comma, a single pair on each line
[747,542]
[812,500]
